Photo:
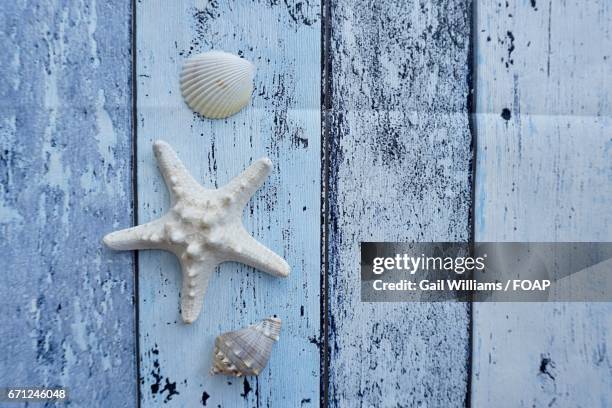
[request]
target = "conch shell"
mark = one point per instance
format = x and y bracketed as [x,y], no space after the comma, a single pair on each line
[246,351]
[217,84]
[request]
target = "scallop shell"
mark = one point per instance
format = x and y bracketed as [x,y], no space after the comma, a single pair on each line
[247,351]
[217,84]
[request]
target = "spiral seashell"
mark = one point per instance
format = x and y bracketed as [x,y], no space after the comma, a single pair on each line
[217,84]
[245,352]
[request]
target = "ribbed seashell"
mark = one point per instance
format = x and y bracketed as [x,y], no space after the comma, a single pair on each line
[245,352]
[217,84]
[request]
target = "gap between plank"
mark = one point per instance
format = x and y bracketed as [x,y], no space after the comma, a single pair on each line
[325,132]
[471,108]
[135,196]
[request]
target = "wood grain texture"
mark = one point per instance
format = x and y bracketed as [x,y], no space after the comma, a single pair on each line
[67,302]
[399,171]
[543,174]
[282,122]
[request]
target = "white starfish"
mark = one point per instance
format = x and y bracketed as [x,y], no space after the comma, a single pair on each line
[203,228]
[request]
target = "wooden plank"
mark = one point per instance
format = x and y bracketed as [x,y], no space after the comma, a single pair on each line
[65,137]
[543,174]
[283,122]
[399,171]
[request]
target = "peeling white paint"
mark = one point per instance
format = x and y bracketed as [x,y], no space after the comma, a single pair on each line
[106,136]
[92,25]
[79,327]
[9,215]
[57,174]
[71,361]
[88,180]
[15,65]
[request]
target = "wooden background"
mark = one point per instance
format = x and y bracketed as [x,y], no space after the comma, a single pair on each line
[385,120]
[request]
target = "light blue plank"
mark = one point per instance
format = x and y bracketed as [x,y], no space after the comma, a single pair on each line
[67,303]
[399,171]
[544,174]
[283,122]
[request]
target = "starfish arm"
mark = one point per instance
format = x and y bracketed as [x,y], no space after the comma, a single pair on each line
[247,250]
[243,186]
[145,236]
[196,275]
[176,176]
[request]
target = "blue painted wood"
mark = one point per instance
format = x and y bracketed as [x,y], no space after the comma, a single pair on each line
[67,302]
[544,174]
[399,170]
[283,122]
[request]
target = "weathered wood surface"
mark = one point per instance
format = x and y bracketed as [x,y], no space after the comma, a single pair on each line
[543,174]
[282,122]
[67,302]
[400,155]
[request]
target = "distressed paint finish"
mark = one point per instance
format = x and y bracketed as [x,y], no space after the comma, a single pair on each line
[67,303]
[399,171]
[282,122]
[543,174]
